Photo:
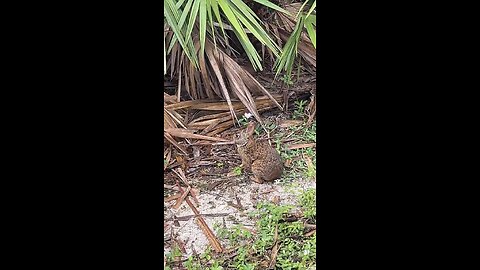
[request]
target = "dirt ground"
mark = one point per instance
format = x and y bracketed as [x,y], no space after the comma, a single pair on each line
[231,204]
[223,198]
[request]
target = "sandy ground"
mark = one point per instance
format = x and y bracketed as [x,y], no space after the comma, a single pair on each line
[219,201]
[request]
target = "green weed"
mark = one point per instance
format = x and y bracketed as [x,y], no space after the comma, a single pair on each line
[308,202]
[299,111]
[237,171]
[287,79]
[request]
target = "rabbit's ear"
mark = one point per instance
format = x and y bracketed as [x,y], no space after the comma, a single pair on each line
[250,128]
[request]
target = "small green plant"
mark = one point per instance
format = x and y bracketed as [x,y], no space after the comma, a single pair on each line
[174,253]
[215,266]
[238,234]
[287,79]
[290,229]
[311,171]
[240,261]
[259,130]
[310,133]
[237,171]
[243,120]
[299,111]
[192,264]
[308,203]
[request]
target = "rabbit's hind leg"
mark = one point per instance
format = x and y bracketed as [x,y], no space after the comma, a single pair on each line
[257,171]
[256,179]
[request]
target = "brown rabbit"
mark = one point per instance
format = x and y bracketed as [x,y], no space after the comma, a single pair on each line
[259,157]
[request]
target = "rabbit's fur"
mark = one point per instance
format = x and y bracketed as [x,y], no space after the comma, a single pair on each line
[258,156]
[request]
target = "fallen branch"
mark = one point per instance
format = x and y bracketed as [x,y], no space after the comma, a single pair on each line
[302,145]
[180,200]
[200,221]
[183,133]
[185,218]
[273,259]
[173,197]
[206,230]
[181,174]
[171,187]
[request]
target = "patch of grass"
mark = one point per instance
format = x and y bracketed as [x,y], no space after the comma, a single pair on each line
[287,79]
[308,202]
[192,264]
[270,126]
[237,171]
[269,216]
[304,133]
[300,166]
[311,171]
[299,111]
[302,160]
[296,251]
[297,254]
[173,255]
[204,261]
[310,133]
[236,235]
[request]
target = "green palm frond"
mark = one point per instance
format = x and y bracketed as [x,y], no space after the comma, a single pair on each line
[208,15]
[305,20]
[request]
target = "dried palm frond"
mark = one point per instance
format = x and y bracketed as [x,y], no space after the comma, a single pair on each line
[215,117]
[218,78]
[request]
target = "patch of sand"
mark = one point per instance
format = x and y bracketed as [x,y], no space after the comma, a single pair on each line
[217,201]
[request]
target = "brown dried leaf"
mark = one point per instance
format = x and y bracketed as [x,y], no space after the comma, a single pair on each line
[301,145]
[276,199]
[183,133]
[215,57]
[172,141]
[289,123]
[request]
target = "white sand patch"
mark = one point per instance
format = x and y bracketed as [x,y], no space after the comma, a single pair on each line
[217,202]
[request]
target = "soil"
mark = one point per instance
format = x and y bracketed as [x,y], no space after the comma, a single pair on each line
[223,201]
[223,198]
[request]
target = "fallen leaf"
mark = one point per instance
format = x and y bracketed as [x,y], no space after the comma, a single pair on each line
[302,145]
[276,199]
[183,133]
[289,123]
[287,163]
